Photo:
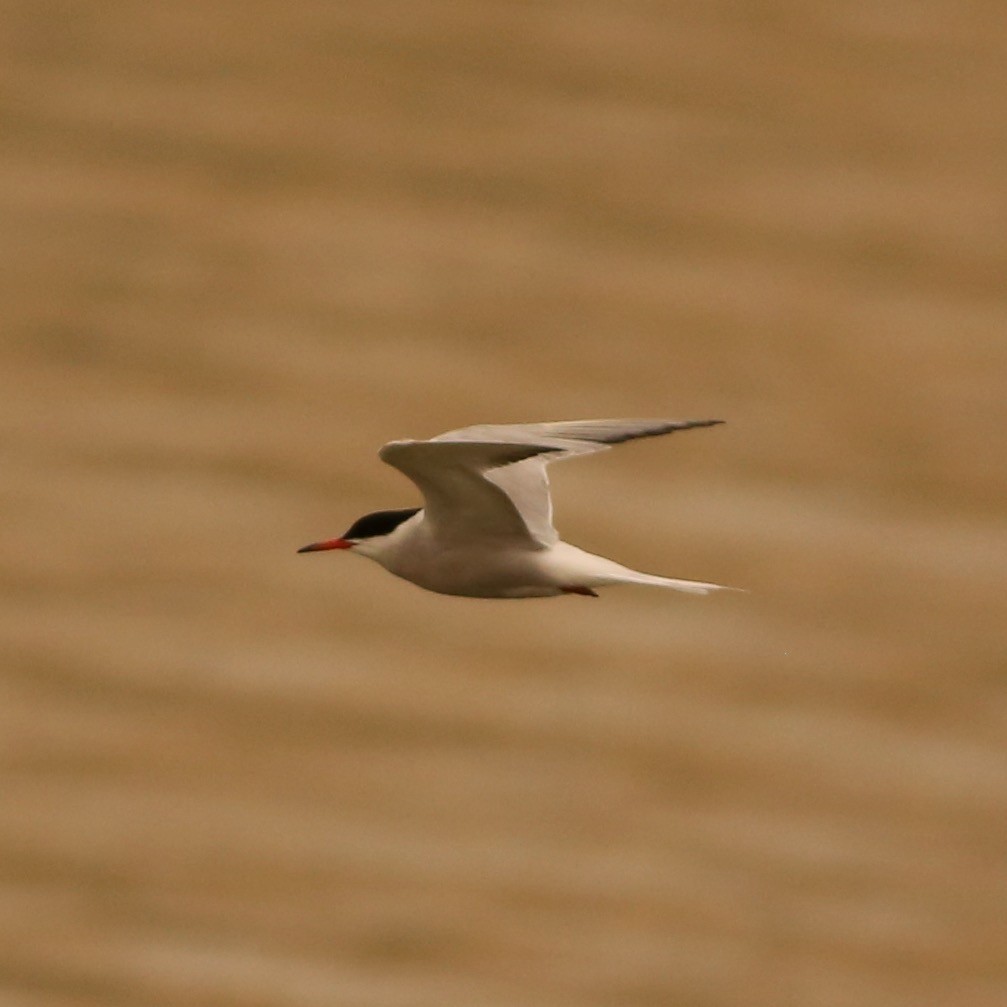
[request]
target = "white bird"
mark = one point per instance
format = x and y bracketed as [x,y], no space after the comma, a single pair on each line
[485,530]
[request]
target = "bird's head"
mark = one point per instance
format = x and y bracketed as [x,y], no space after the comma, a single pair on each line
[367,535]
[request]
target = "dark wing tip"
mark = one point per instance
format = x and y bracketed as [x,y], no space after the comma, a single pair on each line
[658,430]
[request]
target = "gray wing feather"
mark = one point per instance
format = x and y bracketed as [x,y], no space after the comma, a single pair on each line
[526,482]
[585,435]
[491,480]
[453,476]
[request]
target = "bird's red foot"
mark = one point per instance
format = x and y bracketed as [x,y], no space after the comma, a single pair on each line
[580,590]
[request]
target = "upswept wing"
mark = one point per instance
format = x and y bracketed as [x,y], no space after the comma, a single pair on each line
[460,503]
[491,480]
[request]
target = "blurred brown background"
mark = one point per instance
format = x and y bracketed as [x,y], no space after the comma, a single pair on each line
[245,243]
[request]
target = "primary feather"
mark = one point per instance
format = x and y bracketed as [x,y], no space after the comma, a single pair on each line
[522,478]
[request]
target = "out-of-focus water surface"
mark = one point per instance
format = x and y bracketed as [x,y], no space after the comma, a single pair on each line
[246,243]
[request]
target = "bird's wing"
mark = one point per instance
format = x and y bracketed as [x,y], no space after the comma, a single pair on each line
[460,501]
[494,477]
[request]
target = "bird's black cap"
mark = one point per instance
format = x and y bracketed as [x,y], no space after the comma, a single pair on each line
[381,522]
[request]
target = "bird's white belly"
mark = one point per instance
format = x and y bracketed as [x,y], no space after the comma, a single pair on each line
[475,572]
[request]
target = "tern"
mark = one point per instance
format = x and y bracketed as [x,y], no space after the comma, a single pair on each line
[485,528]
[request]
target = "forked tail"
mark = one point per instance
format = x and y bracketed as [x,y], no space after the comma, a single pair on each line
[572,566]
[689,586]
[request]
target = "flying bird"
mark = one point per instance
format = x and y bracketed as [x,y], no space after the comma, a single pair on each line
[485,528]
